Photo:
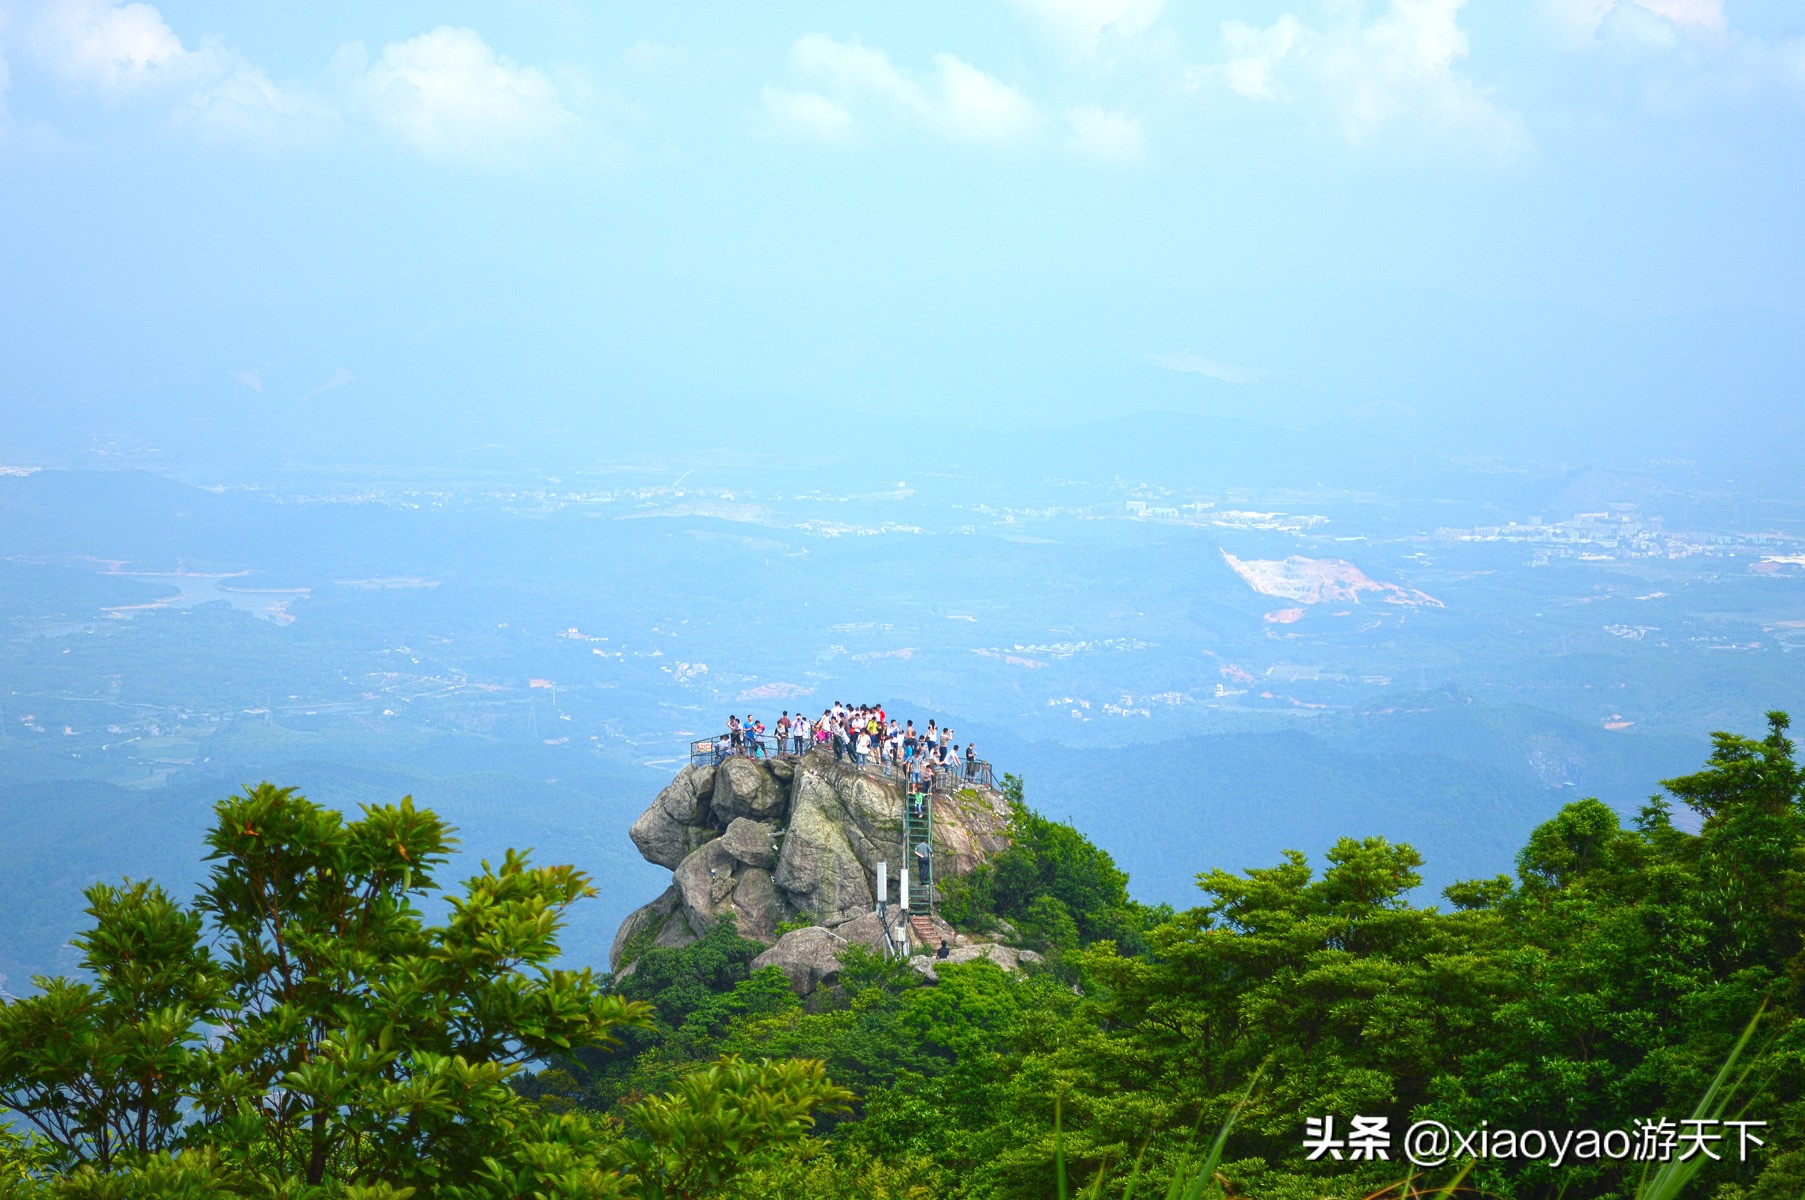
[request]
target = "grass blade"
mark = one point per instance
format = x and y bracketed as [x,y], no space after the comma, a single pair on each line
[1674,1175]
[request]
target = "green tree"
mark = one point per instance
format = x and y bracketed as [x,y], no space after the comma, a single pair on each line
[1336,985]
[1750,855]
[689,993]
[101,1069]
[722,1120]
[303,1032]
[364,1043]
[334,1036]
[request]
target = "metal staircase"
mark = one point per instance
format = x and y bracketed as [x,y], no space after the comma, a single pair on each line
[917,837]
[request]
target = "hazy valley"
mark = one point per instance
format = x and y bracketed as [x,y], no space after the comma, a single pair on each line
[1197,674]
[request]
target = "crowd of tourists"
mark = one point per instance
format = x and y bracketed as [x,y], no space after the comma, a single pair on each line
[862,734]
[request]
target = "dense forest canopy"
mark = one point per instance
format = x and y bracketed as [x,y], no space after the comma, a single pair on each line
[300,1029]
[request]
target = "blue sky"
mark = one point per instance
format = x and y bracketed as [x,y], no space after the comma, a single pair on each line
[826,199]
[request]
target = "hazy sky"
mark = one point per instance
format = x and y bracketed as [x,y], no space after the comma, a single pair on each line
[1128,175]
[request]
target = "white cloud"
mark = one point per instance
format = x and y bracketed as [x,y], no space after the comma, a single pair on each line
[956,100]
[1255,55]
[809,113]
[1196,364]
[1706,14]
[120,50]
[127,53]
[970,106]
[245,105]
[448,95]
[1105,135]
[1686,50]
[1399,70]
[445,93]
[1581,23]
[851,67]
[1080,26]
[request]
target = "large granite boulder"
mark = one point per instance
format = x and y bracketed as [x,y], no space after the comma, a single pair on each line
[757,906]
[819,868]
[865,810]
[678,820]
[763,842]
[714,881]
[744,787]
[1010,958]
[704,880]
[675,935]
[663,918]
[867,930]
[646,916]
[752,842]
[807,957]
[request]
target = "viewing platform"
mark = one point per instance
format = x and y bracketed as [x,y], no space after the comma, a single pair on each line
[706,752]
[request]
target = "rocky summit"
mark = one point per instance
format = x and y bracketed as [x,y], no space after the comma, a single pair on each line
[777,841]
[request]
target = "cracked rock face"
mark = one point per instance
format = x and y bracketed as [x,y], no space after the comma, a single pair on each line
[769,841]
[744,788]
[808,957]
[752,842]
[867,930]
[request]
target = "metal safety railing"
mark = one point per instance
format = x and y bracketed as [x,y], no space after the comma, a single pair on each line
[710,751]
[962,773]
[969,773]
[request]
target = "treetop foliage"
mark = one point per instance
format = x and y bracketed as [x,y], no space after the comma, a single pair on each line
[302,1030]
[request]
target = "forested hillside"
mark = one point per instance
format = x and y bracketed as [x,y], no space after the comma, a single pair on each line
[302,1030]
